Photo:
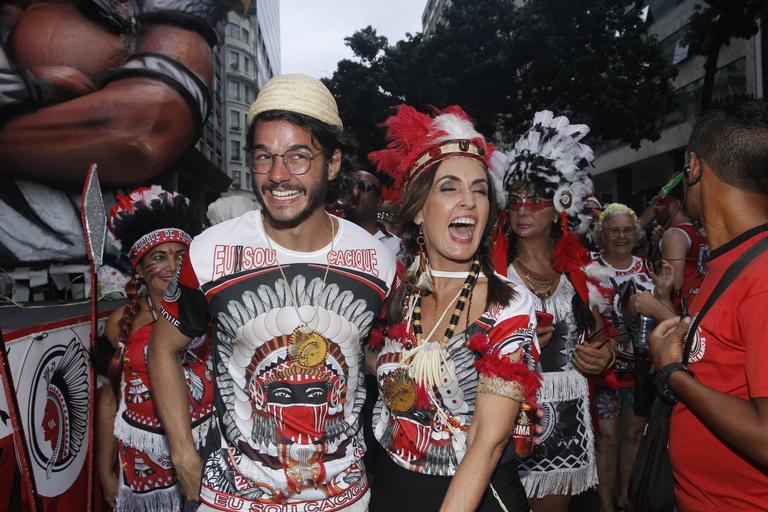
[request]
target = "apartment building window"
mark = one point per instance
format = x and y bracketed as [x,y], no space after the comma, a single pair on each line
[234,120]
[248,181]
[234,150]
[234,60]
[233,90]
[246,64]
[661,7]
[244,35]
[235,180]
[673,47]
[233,30]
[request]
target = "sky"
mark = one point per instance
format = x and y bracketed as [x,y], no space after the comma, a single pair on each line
[312,32]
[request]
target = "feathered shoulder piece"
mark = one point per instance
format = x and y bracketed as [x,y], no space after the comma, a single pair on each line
[552,159]
[416,140]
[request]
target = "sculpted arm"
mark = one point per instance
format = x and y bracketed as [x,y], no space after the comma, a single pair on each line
[135,127]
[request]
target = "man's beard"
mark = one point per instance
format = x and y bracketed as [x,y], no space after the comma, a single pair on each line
[316,200]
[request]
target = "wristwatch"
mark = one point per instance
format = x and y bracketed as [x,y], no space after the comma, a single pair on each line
[662,380]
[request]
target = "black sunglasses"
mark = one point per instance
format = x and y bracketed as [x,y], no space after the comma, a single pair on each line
[366,186]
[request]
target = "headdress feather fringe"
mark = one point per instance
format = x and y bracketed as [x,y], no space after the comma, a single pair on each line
[411,134]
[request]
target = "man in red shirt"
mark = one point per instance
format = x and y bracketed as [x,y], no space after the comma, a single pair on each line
[682,245]
[718,442]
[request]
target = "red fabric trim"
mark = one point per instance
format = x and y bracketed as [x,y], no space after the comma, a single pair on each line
[506,328]
[493,366]
[376,339]
[423,401]
[500,248]
[154,238]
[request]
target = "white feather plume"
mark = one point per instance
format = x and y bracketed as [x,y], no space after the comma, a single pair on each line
[499,165]
[454,128]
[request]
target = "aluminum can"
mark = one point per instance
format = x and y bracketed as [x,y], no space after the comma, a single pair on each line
[522,435]
[644,328]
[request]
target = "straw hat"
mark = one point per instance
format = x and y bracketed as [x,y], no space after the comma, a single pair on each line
[297,93]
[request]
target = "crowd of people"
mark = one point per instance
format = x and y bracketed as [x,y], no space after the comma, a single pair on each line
[502,294]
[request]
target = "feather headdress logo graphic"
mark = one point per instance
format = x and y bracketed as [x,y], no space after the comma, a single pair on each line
[58,407]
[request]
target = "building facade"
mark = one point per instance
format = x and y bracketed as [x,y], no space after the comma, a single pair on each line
[634,176]
[433,15]
[248,57]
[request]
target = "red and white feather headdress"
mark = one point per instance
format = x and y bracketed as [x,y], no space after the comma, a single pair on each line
[415,141]
[138,203]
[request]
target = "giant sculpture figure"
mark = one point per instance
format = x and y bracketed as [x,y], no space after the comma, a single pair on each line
[124,83]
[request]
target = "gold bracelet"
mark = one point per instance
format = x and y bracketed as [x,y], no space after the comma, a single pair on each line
[613,360]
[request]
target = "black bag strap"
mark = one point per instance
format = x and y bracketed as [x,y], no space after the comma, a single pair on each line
[728,277]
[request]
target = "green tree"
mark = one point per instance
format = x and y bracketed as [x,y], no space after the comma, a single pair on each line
[355,84]
[366,44]
[712,26]
[470,61]
[594,60]
[590,59]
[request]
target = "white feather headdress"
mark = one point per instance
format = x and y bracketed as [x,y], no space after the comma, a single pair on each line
[551,157]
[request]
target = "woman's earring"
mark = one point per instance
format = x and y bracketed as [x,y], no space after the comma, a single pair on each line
[420,266]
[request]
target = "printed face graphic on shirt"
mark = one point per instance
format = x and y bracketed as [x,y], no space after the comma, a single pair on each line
[300,409]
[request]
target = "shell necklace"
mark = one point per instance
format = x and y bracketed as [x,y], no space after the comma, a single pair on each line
[308,347]
[426,360]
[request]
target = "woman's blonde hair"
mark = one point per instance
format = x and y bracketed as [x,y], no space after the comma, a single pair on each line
[610,211]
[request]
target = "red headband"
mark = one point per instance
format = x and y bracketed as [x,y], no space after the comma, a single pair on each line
[154,238]
[448,149]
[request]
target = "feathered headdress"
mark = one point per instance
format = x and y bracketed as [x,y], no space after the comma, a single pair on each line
[150,216]
[552,159]
[415,141]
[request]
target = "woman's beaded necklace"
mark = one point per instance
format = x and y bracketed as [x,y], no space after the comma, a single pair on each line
[426,360]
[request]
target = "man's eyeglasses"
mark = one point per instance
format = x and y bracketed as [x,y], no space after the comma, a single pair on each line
[615,232]
[297,161]
[532,203]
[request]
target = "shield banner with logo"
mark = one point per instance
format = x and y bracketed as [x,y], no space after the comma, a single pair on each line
[50,367]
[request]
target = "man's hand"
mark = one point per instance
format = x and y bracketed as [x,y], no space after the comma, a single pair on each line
[664,279]
[643,303]
[189,472]
[667,341]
